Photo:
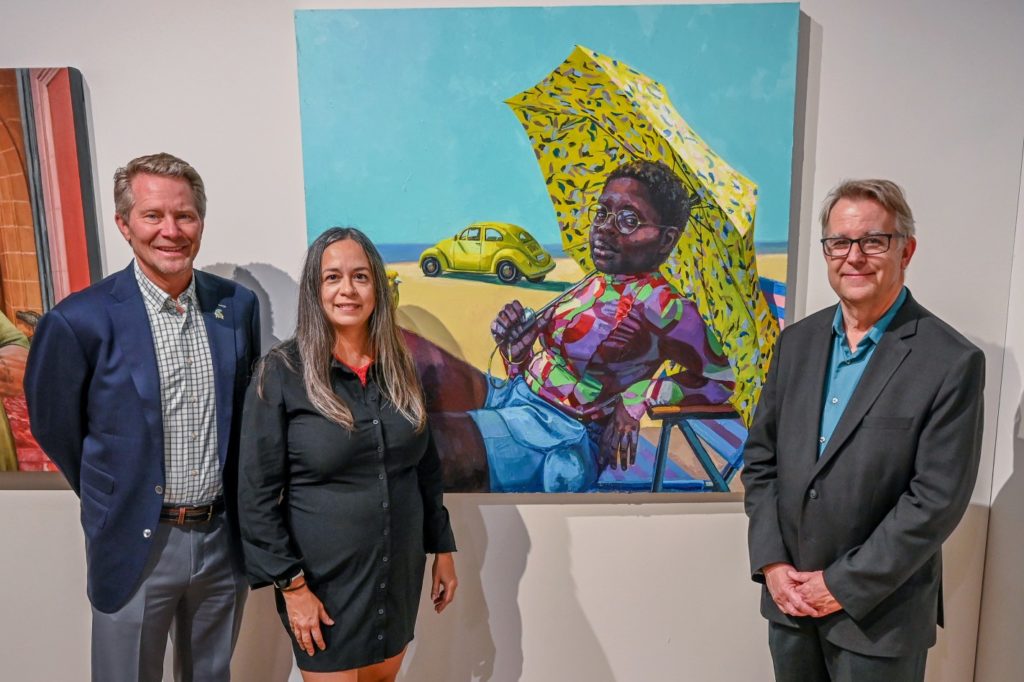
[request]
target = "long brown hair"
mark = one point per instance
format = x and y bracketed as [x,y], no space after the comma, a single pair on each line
[314,339]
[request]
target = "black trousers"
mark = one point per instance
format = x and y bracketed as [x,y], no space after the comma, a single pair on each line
[803,655]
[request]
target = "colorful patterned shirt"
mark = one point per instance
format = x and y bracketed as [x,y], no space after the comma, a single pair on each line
[588,357]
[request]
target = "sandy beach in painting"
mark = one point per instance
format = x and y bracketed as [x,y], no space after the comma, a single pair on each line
[455,311]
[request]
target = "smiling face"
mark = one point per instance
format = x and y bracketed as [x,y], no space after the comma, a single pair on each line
[164,230]
[641,251]
[346,287]
[868,284]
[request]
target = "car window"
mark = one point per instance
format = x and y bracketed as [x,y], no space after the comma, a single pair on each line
[525,238]
[471,234]
[492,235]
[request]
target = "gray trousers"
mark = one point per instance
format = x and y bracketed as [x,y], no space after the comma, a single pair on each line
[803,655]
[191,589]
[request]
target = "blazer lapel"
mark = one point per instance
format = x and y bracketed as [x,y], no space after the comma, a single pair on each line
[813,369]
[219,318]
[883,364]
[135,340]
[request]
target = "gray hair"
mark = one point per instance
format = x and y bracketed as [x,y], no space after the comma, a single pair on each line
[885,192]
[314,339]
[164,165]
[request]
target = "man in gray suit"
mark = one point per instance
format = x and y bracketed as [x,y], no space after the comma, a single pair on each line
[861,458]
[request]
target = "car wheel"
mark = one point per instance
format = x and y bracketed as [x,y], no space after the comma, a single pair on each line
[536,280]
[508,272]
[431,267]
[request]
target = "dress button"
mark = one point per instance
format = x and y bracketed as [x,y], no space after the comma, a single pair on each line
[380,612]
[385,558]
[380,476]
[376,421]
[835,400]
[813,494]
[384,504]
[380,448]
[159,490]
[146,533]
[821,439]
[380,637]
[383,585]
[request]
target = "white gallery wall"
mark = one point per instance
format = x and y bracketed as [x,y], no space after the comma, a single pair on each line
[1000,656]
[570,588]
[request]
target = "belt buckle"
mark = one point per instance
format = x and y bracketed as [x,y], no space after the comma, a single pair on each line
[209,513]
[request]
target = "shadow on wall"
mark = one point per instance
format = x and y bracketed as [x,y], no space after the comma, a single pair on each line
[264,652]
[963,573]
[424,323]
[276,291]
[1000,656]
[459,644]
[482,639]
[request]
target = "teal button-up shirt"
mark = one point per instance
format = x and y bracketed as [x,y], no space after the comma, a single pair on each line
[845,368]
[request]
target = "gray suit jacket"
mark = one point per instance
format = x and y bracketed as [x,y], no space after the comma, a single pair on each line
[889,488]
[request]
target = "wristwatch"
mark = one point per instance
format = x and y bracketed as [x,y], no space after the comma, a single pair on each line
[284,583]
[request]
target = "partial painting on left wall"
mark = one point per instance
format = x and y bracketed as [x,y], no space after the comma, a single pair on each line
[49,243]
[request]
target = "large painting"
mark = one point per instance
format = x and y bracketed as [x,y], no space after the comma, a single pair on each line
[585,213]
[48,235]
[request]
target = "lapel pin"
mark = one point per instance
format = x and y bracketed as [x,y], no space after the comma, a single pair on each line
[219,314]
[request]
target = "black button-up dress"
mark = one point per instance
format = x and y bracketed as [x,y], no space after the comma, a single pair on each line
[355,510]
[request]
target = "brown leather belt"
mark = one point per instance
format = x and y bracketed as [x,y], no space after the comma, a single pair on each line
[179,516]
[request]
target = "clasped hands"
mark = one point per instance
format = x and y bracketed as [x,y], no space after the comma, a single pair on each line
[799,593]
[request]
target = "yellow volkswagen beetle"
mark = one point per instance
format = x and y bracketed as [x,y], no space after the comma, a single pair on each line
[501,249]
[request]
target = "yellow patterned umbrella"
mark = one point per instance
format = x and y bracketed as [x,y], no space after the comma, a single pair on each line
[594,113]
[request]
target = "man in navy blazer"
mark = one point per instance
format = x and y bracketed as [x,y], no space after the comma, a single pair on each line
[135,388]
[861,459]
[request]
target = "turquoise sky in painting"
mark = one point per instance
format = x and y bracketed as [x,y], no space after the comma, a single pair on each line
[405,132]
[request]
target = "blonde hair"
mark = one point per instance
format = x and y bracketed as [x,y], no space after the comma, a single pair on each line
[885,192]
[164,165]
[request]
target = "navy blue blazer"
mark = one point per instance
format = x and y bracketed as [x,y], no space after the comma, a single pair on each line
[93,393]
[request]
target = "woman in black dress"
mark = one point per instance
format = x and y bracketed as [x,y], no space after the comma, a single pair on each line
[339,481]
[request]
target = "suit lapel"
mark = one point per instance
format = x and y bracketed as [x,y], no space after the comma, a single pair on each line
[884,362]
[135,341]
[813,368]
[219,319]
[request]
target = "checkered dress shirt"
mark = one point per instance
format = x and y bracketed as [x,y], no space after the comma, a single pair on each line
[187,394]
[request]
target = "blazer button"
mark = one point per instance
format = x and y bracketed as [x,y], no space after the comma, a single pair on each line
[146,533]
[813,494]
[159,490]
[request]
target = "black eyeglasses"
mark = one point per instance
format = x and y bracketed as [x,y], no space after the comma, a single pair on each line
[870,245]
[626,221]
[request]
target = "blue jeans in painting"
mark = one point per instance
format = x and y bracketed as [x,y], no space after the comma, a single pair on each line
[533,446]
